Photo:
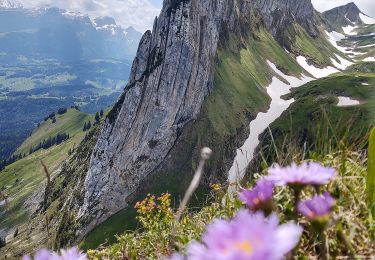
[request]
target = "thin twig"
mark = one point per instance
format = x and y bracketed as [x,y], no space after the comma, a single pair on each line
[205,155]
[47,174]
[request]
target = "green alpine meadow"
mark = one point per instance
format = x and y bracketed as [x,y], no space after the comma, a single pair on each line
[187,129]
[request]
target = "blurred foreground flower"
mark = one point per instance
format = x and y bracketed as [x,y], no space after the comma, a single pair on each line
[247,236]
[70,254]
[319,207]
[304,174]
[260,197]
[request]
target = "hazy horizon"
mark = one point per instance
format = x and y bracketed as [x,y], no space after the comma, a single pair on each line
[141,13]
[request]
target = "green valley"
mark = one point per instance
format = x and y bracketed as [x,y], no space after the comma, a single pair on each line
[22,179]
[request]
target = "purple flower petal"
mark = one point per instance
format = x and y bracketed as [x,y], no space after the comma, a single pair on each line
[247,236]
[317,207]
[70,254]
[258,196]
[304,174]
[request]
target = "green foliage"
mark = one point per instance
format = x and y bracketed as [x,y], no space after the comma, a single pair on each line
[371,172]
[318,49]
[70,123]
[157,237]
[315,121]
[22,178]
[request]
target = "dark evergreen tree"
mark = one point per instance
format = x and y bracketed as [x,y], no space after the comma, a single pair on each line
[2,242]
[97,118]
[101,113]
[62,111]
[53,120]
[85,127]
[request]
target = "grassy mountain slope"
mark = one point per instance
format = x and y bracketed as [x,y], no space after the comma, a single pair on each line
[315,120]
[70,123]
[21,179]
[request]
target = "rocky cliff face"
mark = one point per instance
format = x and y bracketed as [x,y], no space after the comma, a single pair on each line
[172,75]
[343,15]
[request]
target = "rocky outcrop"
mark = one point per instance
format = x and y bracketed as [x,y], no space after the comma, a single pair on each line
[172,75]
[343,15]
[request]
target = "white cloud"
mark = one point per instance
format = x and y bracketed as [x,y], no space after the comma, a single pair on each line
[366,6]
[141,13]
[137,13]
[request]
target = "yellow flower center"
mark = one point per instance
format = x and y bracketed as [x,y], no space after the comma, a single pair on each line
[243,246]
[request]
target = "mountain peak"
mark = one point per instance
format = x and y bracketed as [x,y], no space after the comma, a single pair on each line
[344,15]
[6,4]
[104,20]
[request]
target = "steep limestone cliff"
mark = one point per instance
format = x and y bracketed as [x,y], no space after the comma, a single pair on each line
[172,75]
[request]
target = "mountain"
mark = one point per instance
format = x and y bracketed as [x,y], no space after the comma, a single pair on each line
[6,4]
[27,172]
[206,72]
[52,58]
[185,80]
[346,15]
[49,32]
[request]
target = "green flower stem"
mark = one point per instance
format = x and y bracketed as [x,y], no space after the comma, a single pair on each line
[297,193]
[342,237]
[324,252]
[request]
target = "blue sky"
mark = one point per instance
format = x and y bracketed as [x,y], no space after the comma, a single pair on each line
[141,13]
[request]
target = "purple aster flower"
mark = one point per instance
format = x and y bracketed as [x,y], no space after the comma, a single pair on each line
[247,236]
[259,196]
[318,207]
[304,174]
[70,254]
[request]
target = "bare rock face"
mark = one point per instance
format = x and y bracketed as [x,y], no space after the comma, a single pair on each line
[172,75]
[344,15]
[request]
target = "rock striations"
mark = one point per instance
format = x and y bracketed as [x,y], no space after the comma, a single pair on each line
[343,15]
[172,75]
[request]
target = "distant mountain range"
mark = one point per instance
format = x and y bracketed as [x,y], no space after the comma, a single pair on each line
[51,58]
[49,32]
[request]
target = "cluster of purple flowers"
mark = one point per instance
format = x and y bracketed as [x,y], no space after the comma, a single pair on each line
[70,254]
[251,234]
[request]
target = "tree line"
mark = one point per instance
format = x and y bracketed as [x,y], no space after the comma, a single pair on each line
[50,141]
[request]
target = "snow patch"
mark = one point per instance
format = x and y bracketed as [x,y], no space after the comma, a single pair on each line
[343,63]
[365,84]
[349,30]
[367,46]
[347,101]
[333,37]
[369,59]
[316,72]
[275,90]
[72,14]
[6,4]
[366,19]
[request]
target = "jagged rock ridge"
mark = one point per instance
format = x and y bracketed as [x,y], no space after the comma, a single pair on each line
[172,75]
[344,15]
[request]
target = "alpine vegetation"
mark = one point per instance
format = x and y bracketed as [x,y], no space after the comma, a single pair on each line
[282,94]
[260,223]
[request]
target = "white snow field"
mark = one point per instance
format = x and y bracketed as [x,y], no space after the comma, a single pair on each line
[347,101]
[316,72]
[275,90]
